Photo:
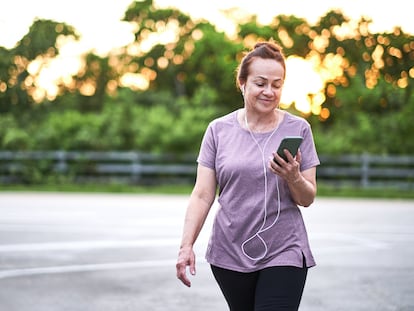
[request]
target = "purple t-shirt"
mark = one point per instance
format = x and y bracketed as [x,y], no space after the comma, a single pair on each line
[251,232]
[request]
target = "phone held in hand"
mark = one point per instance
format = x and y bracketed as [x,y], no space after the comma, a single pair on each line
[290,143]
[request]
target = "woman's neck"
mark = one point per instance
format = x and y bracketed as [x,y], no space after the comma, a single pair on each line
[260,123]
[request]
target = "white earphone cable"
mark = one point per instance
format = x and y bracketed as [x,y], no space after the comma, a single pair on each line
[262,228]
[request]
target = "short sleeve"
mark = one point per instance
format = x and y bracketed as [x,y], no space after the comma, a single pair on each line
[308,150]
[208,149]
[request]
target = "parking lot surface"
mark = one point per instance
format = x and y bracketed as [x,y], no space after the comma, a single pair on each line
[104,252]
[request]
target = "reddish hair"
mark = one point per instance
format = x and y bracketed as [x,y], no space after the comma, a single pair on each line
[265,50]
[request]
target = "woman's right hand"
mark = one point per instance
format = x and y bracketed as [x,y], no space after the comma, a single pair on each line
[186,258]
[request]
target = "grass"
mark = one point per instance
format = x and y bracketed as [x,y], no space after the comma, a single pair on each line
[99,188]
[358,192]
[323,190]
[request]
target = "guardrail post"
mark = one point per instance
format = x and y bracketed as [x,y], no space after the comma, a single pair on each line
[61,166]
[365,161]
[136,168]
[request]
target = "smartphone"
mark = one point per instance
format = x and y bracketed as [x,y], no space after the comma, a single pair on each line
[290,143]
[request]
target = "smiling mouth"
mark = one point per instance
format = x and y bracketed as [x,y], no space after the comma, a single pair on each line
[266,100]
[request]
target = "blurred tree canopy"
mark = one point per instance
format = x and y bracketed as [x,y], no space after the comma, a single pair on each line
[159,92]
[18,88]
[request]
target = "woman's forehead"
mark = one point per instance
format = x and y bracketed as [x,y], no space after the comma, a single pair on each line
[268,69]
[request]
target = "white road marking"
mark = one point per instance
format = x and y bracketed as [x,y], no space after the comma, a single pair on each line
[12,273]
[345,243]
[96,244]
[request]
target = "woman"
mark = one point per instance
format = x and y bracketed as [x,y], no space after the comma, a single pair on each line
[258,251]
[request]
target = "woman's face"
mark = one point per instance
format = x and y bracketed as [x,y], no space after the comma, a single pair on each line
[263,88]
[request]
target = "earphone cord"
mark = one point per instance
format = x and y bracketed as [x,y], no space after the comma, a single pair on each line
[262,228]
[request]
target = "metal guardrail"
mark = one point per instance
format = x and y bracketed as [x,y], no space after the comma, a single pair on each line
[368,171]
[94,166]
[144,168]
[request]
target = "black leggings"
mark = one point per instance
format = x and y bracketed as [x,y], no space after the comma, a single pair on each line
[271,289]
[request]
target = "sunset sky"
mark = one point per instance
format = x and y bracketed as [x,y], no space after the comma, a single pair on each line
[99,25]
[94,18]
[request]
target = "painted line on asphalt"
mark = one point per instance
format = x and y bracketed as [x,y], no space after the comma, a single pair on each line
[346,243]
[86,268]
[96,244]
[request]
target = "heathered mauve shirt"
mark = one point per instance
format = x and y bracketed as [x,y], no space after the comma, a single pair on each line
[245,236]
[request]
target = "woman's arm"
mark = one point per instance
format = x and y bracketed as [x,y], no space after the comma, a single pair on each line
[303,187]
[201,200]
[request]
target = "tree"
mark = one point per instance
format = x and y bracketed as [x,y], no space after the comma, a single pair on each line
[196,55]
[91,84]
[18,90]
[189,70]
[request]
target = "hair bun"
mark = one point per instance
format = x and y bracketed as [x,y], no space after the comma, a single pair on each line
[269,44]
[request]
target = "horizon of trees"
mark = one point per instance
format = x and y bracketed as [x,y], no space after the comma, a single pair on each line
[189,79]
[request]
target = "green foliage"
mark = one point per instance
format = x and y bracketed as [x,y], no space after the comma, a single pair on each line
[16,139]
[12,137]
[70,130]
[6,64]
[163,124]
[41,39]
[16,83]
[192,80]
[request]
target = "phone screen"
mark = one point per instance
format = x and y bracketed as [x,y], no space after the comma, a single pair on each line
[290,143]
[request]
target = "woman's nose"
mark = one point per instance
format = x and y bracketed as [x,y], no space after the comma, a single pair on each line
[268,89]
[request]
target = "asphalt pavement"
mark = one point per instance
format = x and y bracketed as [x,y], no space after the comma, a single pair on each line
[107,252]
